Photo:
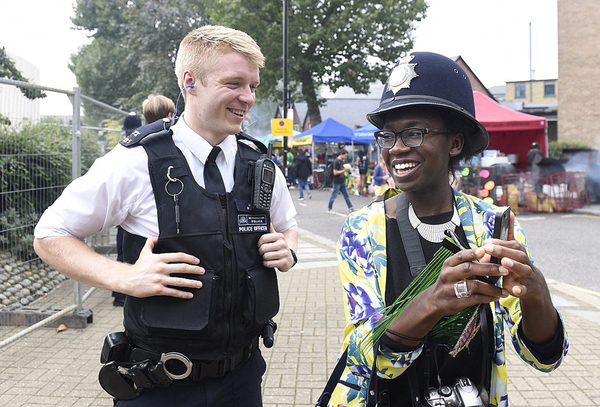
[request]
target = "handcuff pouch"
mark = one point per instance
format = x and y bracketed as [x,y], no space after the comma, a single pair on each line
[116,384]
[116,347]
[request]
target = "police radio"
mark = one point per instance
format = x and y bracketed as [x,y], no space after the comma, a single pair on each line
[264,180]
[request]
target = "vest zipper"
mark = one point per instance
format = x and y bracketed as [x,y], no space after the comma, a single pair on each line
[230,276]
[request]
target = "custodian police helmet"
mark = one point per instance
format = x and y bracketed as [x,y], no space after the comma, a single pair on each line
[131,122]
[425,78]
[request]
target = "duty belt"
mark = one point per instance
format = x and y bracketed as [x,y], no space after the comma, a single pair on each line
[177,366]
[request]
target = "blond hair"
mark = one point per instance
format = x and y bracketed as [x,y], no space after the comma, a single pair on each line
[201,48]
[157,107]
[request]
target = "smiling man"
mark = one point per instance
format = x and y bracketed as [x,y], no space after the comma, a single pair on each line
[200,255]
[427,311]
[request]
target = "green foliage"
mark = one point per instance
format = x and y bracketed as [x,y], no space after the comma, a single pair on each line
[111,137]
[35,167]
[10,71]
[34,157]
[99,68]
[133,50]
[557,147]
[4,121]
[331,43]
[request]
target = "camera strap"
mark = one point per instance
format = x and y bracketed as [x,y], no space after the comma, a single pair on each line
[410,237]
[377,393]
[413,384]
[333,380]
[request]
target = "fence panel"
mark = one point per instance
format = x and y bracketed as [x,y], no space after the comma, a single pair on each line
[39,156]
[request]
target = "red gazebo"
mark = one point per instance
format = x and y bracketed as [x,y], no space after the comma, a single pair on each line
[510,132]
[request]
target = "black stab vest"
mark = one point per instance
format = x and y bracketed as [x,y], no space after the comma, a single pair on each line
[239,295]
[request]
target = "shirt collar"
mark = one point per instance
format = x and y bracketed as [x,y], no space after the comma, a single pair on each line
[198,146]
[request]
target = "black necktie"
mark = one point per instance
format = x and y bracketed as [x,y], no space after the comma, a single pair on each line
[213,181]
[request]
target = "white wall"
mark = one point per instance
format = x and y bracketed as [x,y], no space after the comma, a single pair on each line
[13,104]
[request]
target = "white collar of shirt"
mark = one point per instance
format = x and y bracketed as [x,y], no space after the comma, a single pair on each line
[196,150]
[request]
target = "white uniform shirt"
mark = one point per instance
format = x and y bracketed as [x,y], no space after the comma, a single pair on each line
[117,191]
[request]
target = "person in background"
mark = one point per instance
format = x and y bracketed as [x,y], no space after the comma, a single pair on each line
[291,168]
[201,283]
[428,313]
[277,159]
[380,179]
[157,107]
[534,156]
[340,168]
[130,123]
[303,171]
[362,162]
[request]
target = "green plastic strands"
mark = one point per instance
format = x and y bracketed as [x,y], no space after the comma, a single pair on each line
[459,328]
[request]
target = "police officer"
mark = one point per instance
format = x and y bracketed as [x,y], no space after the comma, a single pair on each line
[201,284]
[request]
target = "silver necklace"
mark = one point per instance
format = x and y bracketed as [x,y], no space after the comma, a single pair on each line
[432,233]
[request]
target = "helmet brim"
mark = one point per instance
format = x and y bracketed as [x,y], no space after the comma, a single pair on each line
[478,140]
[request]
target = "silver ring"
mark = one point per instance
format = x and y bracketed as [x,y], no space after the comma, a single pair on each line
[461,290]
[187,363]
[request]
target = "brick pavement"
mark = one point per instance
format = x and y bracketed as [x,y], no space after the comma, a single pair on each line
[47,368]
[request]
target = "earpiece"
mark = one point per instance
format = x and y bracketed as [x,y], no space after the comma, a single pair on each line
[190,86]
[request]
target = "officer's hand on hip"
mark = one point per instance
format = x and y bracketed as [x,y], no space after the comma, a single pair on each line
[151,274]
[275,251]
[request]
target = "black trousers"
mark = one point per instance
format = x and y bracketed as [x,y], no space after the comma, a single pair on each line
[239,388]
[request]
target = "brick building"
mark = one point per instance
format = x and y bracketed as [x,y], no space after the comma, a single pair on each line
[579,71]
[536,97]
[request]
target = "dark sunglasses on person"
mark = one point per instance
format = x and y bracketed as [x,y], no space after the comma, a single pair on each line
[411,137]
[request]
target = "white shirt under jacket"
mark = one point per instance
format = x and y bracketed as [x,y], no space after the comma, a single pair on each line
[117,191]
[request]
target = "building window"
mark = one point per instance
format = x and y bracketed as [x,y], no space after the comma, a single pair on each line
[549,89]
[520,90]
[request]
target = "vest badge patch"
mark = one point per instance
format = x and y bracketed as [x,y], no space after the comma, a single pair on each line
[252,223]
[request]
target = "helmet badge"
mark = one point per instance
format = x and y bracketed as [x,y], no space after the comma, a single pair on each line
[402,74]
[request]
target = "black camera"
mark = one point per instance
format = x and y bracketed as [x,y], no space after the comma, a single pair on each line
[462,394]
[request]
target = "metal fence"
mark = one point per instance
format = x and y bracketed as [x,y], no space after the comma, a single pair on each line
[39,156]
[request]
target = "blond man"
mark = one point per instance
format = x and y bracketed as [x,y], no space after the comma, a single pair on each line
[201,280]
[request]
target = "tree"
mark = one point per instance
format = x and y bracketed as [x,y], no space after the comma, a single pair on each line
[101,69]
[133,50]
[9,70]
[330,42]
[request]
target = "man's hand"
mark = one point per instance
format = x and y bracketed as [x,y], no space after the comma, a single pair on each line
[275,251]
[151,274]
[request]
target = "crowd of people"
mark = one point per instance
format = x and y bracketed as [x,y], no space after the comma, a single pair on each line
[359,177]
[208,222]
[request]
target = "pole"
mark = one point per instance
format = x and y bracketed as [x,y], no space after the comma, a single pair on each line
[285,80]
[530,56]
[76,166]
[530,67]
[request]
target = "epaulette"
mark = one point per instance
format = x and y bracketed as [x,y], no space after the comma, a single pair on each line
[133,139]
[251,142]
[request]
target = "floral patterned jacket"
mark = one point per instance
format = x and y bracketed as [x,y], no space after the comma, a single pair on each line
[363,266]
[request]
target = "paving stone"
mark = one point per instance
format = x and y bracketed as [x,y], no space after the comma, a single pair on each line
[46,368]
